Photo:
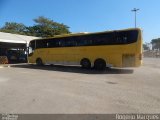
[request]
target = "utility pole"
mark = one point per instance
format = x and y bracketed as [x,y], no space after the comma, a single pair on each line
[135,11]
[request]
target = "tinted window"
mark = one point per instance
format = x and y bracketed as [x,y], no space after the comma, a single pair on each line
[104,39]
[85,40]
[110,38]
[132,36]
[70,41]
[126,37]
[41,44]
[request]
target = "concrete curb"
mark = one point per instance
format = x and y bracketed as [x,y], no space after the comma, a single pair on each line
[3,66]
[10,65]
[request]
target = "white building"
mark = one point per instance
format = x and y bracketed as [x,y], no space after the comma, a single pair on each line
[14,40]
[10,42]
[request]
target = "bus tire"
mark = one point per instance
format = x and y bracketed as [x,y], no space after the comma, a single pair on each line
[99,64]
[85,63]
[39,62]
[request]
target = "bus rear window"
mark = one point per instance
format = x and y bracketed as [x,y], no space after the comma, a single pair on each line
[126,37]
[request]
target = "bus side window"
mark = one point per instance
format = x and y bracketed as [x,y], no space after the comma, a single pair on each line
[89,40]
[48,44]
[132,36]
[79,41]
[51,43]
[100,40]
[119,37]
[41,44]
[85,40]
[70,42]
[104,39]
[75,40]
[56,43]
[123,38]
[62,42]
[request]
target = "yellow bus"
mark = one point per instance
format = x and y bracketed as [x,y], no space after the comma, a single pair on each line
[118,48]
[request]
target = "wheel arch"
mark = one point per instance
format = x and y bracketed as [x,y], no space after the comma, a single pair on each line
[100,59]
[100,64]
[39,59]
[83,62]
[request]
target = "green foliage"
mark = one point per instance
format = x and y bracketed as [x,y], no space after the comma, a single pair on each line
[156,43]
[13,27]
[145,46]
[43,27]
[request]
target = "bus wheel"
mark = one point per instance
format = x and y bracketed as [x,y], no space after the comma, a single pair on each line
[39,62]
[85,63]
[100,64]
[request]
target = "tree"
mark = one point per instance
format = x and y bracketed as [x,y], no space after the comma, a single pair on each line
[13,27]
[45,27]
[145,47]
[155,43]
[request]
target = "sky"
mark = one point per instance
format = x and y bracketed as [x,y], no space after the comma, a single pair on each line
[87,15]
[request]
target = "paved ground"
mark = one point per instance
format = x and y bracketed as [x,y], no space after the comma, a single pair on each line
[58,89]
